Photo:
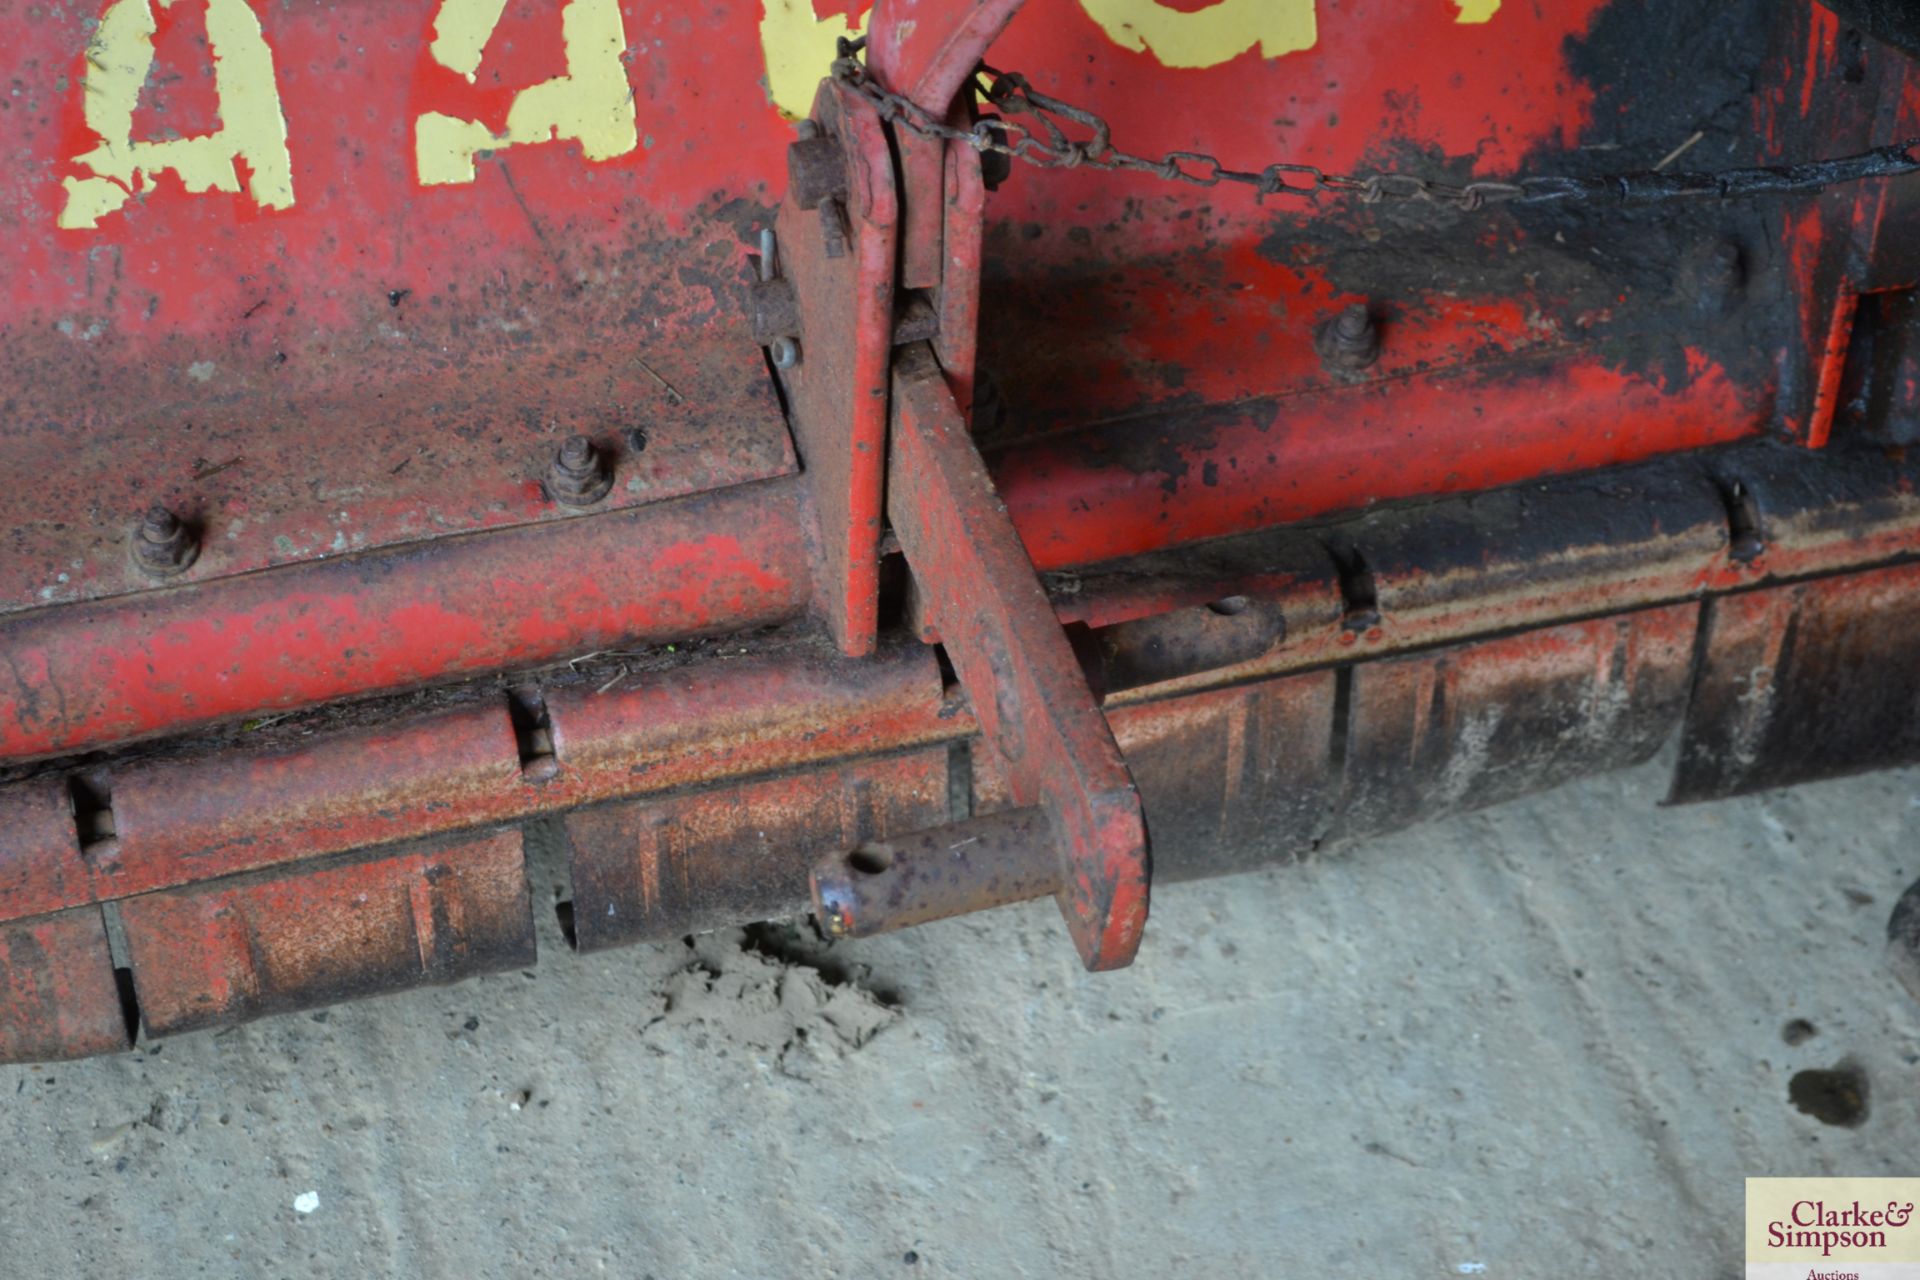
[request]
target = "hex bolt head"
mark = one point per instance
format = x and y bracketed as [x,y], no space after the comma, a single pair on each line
[785,351]
[580,475]
[162,544]
[1350,341]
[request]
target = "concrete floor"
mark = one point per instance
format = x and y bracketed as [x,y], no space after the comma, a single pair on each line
[1542,1041]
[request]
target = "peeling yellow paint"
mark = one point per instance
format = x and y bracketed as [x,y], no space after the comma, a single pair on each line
[591,103]
[799,48]
[1475,11]
[1207,37]
[253,127]
[460,34]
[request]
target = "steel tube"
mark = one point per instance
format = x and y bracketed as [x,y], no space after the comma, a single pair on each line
[897,883]
[87,675]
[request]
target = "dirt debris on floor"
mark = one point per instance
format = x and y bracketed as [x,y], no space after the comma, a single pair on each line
[1549,1039]
[733,995]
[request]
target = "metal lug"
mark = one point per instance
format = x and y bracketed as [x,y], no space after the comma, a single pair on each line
[816,171]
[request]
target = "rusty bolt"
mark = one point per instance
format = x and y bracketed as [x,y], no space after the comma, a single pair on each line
[579,476]
[1349,341]
[162,544]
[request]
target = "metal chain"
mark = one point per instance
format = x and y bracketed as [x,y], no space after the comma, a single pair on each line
[1046,145]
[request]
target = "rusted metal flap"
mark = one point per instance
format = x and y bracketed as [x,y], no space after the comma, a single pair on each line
[1804,682]
[1233,778]
[659,869]
[240,811]
[58,995]
[1470,726]
[217,955]
[40,865]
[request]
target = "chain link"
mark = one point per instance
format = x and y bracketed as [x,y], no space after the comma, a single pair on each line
[1045,144]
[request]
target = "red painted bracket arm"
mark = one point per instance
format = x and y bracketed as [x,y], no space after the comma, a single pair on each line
[1027,688]
[926,49]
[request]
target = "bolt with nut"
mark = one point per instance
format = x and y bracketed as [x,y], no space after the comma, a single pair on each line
[162,544]
[1350,341]
[580,475]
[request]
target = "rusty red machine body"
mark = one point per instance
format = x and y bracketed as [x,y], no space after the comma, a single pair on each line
[428,420]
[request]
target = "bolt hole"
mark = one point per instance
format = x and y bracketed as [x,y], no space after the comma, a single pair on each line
[563,913]
[1832,1095]
[91,797]
[1799,1031]
[533,731]
[637,439]
[870,859]
[1230,606]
